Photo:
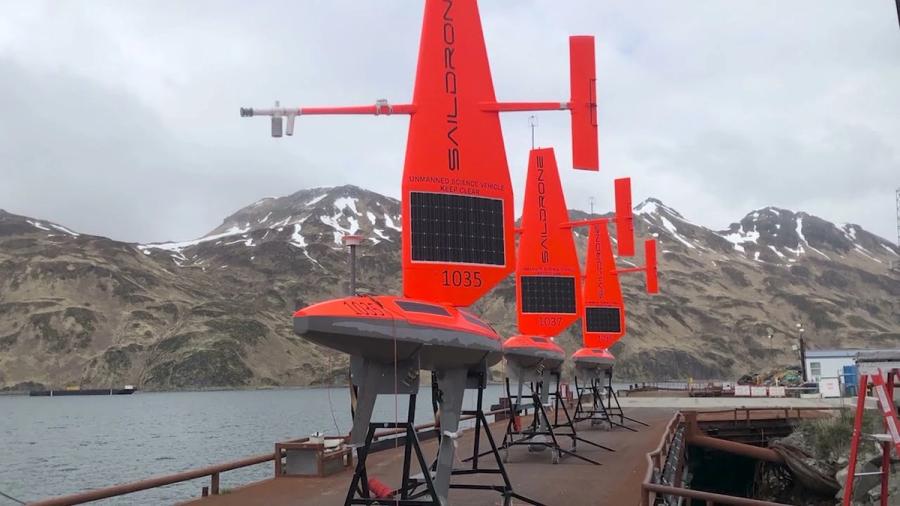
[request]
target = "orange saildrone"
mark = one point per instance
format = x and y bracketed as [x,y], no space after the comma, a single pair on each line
[603,311]
[548,297]
[548,280]
[457,231]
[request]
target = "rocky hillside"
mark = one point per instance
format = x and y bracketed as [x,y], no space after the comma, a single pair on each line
[78,309]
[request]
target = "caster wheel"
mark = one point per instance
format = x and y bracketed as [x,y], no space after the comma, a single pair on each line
[555,457]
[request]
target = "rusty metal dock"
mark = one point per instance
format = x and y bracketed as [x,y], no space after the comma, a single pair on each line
[571,482]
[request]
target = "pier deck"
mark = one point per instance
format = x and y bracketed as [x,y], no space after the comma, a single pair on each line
[572,482]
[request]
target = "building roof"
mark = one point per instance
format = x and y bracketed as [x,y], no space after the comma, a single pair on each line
[841,353]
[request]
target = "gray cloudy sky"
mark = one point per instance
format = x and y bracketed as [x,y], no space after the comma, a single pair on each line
[121,118]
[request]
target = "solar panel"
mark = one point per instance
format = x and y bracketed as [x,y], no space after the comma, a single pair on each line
[548,294]
[456,229]
[603,319]
[419,307]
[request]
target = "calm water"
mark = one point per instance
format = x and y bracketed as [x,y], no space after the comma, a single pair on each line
[61,445]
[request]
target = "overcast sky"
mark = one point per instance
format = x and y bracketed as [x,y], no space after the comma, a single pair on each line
[121,118]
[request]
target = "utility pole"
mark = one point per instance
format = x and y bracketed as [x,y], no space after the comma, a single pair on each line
[352,241]
[800,330]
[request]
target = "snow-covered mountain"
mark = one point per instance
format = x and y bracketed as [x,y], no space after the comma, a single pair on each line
[317,216]
[214,311]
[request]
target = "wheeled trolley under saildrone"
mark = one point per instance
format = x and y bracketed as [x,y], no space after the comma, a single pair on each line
[457,242]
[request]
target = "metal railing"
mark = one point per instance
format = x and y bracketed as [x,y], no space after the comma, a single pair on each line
[213,472]
[158,481]
[658,466]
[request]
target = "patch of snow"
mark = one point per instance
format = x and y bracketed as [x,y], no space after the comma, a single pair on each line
[346,203]
[646,207]
[864,252]
[626,262]
[338,229]
[260,201]
[296,238]
[739,237]
[374,240]
[780,254]
[178,246]
[313,260]
[354,225]
[672,230]
[266,218]
[885,246]
[371,216]
[802,237]
[380,234]
[390,223]
[248,241]
[281,224]
[316,200]
[37,224]
[756,256]
[63,229]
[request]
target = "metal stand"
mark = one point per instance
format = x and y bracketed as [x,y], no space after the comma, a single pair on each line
[601,411]
[359,492]
[541,426]
[369,379]
[478,380]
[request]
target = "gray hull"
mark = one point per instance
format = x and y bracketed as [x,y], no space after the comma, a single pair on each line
[388,341]
[530,358]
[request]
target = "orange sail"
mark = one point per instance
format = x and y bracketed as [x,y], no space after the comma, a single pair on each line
[604,310]
[457,197]
[548,281]
[457,203]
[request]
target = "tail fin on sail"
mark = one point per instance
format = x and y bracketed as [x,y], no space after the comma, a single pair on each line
[650,260]
[624,217]
[604,308]
[548,281]
[583,82]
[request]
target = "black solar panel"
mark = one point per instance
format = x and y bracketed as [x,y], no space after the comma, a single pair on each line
[548,294]
[456,229]
[419,307]
[603,319]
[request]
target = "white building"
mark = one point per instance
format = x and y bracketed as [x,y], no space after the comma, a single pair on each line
[829,363]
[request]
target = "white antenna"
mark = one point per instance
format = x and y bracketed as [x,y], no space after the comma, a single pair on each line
[533,123]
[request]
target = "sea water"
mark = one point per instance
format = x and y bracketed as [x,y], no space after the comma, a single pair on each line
[61,445]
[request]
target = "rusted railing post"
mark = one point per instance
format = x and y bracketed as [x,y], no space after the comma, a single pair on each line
[214,483]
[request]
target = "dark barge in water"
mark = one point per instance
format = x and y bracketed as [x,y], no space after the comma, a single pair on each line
[128,390]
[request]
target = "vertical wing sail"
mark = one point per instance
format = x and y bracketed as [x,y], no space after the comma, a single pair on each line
[650,261]
[624,217]
[604,310]
[548,284]
[583,83]
[457,202]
